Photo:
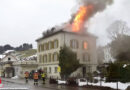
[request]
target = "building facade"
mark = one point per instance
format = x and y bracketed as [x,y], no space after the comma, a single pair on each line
[11,66]
[107,55]
[83,44]
[6,67]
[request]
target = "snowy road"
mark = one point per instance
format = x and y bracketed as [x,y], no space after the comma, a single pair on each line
[15,86]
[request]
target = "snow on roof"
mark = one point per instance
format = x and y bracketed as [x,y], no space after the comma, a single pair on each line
[30,58]
[1,56]
[33,57]
[8,51]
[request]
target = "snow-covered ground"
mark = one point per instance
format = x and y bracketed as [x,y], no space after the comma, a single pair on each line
[121,86]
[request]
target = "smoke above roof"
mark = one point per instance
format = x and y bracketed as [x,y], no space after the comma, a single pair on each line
[99,5]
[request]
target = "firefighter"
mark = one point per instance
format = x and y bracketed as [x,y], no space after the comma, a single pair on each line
[26,76]
[35,77]
[43,77]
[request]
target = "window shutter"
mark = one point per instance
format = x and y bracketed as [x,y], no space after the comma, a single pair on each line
[57,57]
[38,48]
[52,44]
[83,45]
[43,58]
[77,44]
[71,43]
[43,47]
[46,58]
[57,43]
[48,46]
[53,57]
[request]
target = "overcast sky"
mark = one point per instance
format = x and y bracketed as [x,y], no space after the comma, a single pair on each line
[23,21]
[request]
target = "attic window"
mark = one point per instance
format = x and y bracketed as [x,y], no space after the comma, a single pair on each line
[9,59]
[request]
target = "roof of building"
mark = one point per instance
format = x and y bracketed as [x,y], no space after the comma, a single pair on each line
[9,55]
[8,51]
[28,55]
[65,31]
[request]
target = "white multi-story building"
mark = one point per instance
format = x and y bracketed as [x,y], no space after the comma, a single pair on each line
[107,54]
[83,44]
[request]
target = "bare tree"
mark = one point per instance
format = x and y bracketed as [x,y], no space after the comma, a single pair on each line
[117,29]
[118,32]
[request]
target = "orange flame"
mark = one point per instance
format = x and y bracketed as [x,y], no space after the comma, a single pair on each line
[83,14]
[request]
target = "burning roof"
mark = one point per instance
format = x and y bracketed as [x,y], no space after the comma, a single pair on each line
[79,20]
[87,9]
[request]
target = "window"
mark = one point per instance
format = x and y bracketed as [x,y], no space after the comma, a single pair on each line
[85,57]
[74,44]
[55,69]
[45,58]
[42,47]
[50,45]
[50,57]
[45,69]
[46,46]
[85,45]
[9,59]
[38,48]
[40,58]
[49,69]
[89,68]
[55,43]
[55,56]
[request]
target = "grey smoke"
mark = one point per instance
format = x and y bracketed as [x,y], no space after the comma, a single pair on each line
[99,5]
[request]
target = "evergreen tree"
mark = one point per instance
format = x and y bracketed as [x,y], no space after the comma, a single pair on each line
[68,62]
[118,72]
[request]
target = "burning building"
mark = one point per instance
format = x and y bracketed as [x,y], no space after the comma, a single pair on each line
[83,44]
[74,35]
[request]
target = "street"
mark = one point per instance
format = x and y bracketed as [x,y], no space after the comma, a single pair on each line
[30,86]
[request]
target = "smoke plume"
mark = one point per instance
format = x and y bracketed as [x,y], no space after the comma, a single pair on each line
[99,5]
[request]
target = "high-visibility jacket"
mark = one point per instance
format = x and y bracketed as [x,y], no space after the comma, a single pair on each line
[43,75]
[35,76]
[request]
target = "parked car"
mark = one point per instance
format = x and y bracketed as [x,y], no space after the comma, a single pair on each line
[15,77]
[61,82]
[81,82]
